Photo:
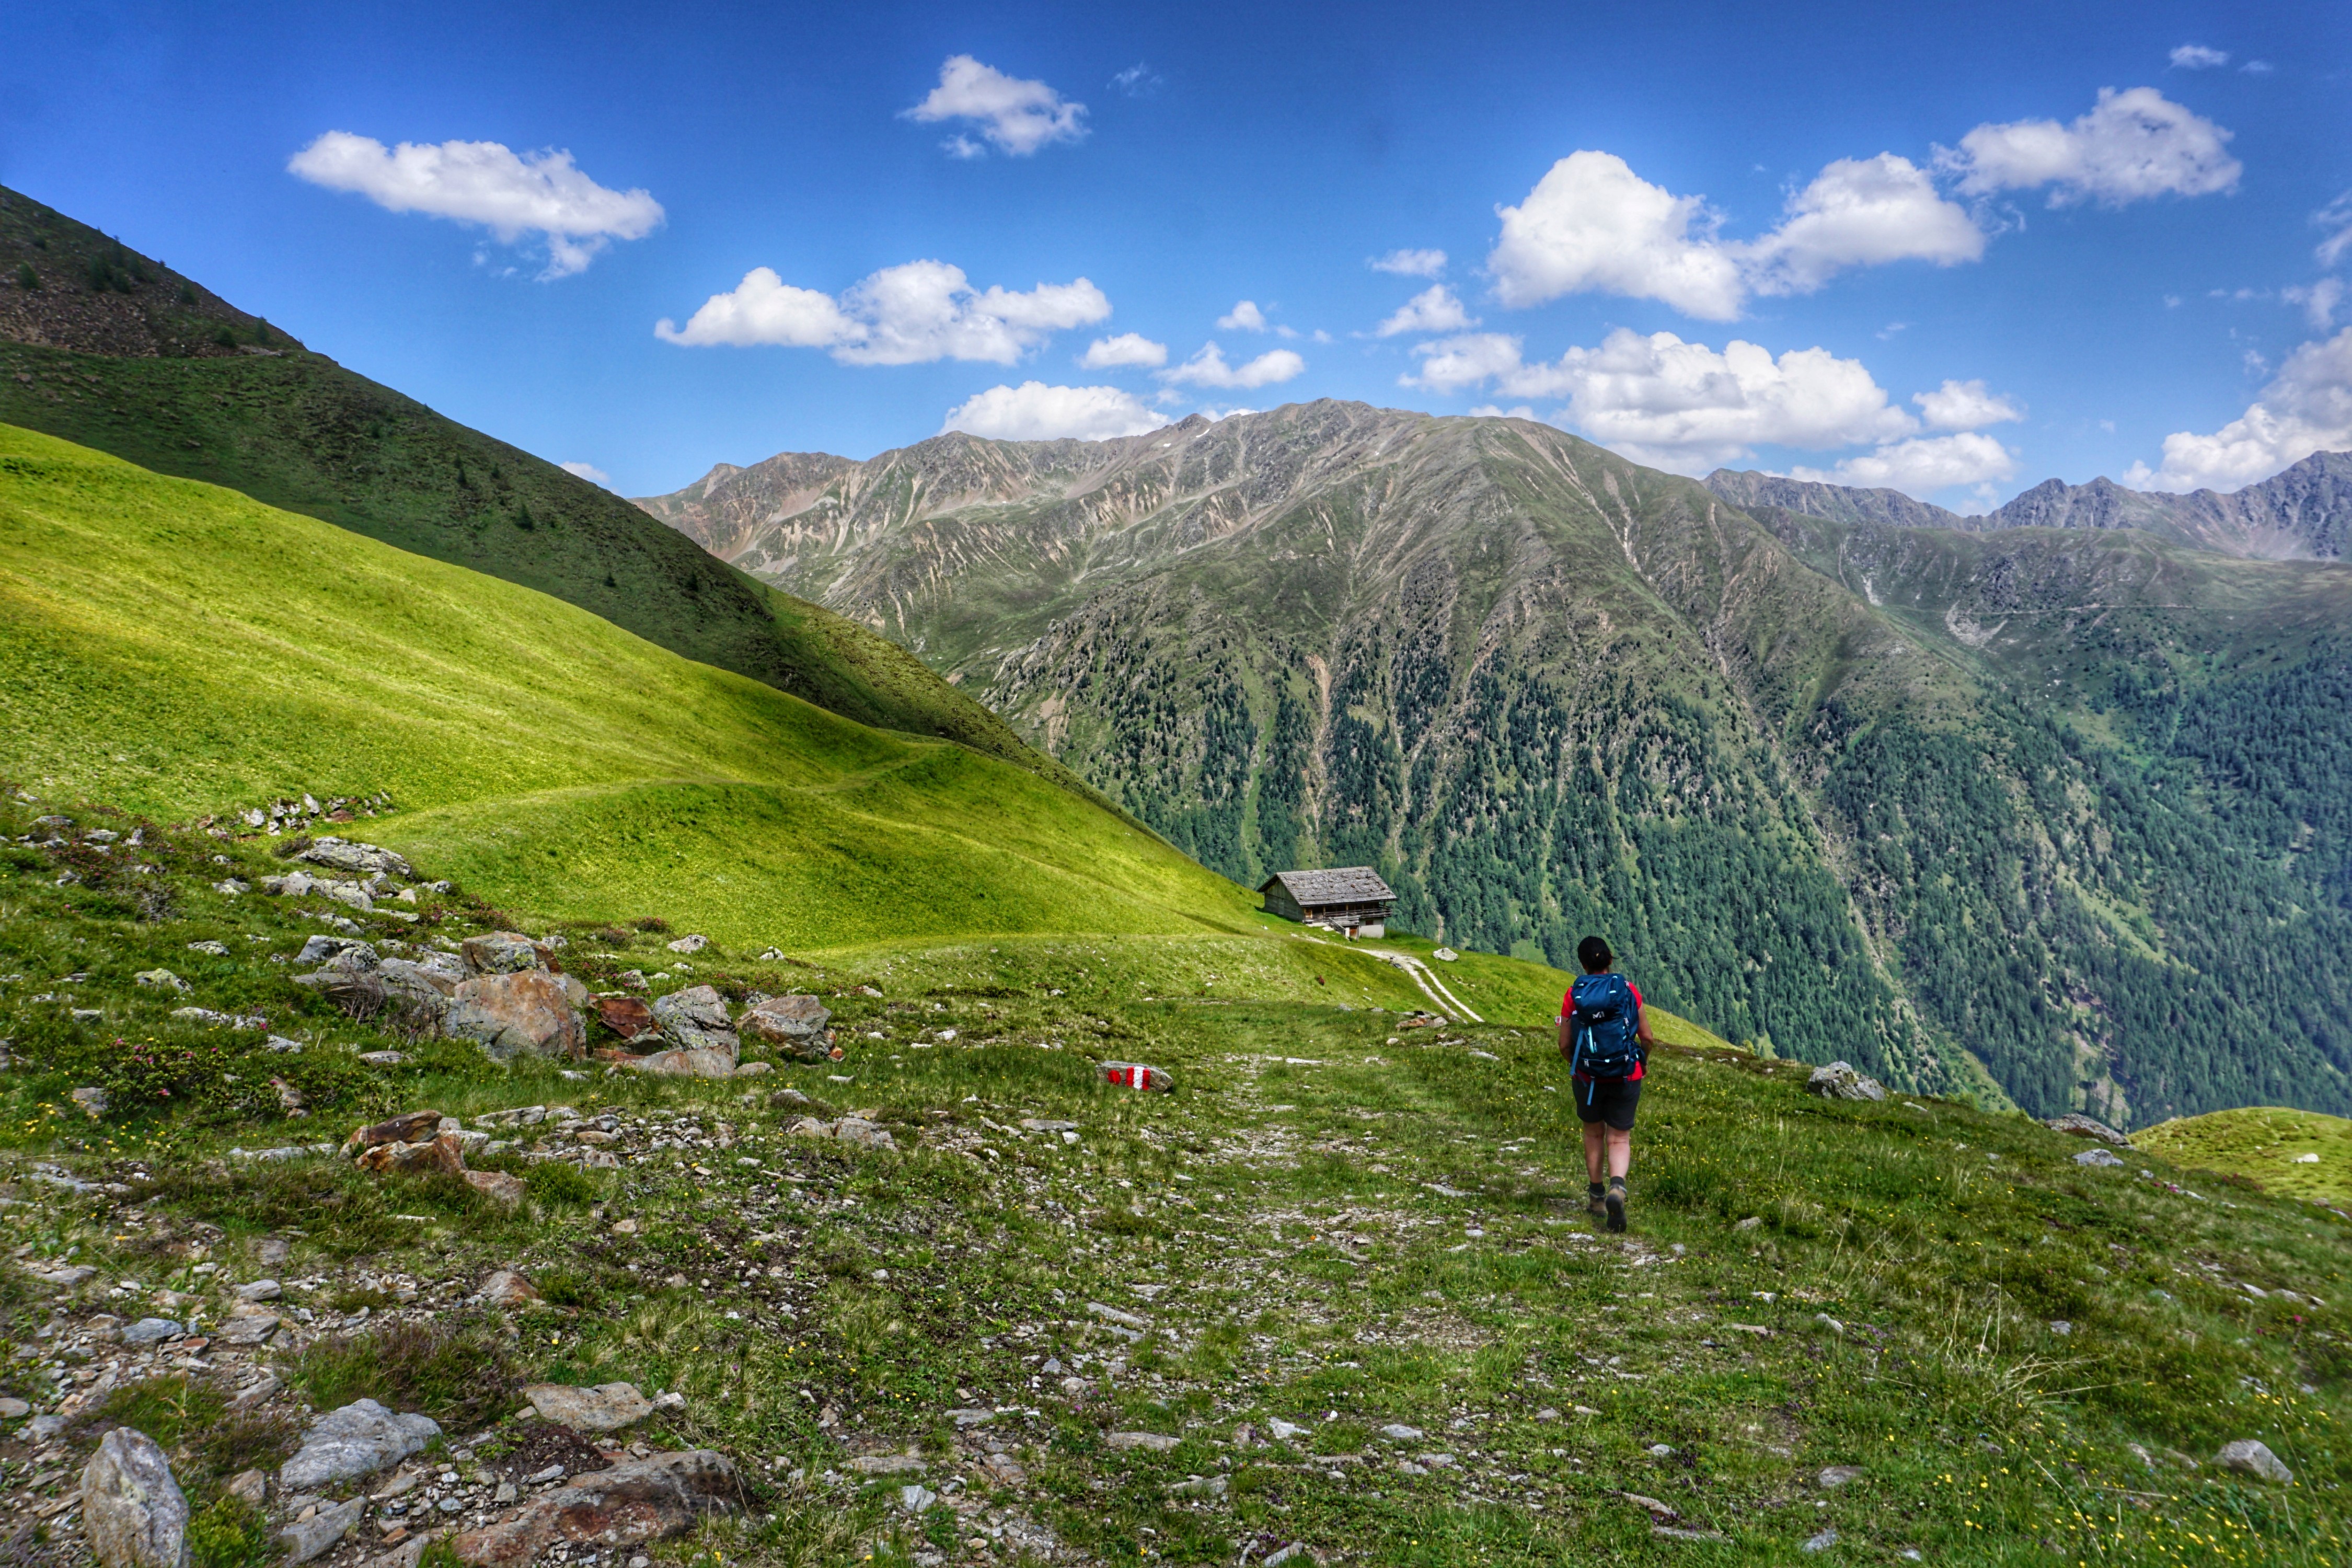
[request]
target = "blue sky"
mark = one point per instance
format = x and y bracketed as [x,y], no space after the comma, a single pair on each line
[1956,251]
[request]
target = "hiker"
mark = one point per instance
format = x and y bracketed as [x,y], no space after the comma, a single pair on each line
[1606,1040]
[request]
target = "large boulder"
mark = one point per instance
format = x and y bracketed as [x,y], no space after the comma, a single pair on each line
[357,1440]
[694,1019]
[606,1408]
[796,1024]
[2081,1126]
[354,859]
[502,953]
[307,1537]
[442,1154]
[1843,1081]
[523,1013]
[626,1017]
[410,1127]
[628,1505]
[344,952]
[2250,1457]
[132,1509]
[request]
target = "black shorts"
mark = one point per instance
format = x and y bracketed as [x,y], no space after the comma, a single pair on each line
[1610,1100]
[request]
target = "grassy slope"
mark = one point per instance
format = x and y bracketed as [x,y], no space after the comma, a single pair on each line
[298,431]
[2260,1143]
[180,648]
[1334,1230]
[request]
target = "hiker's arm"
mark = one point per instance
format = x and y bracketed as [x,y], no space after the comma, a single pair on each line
[1563,1035]
[1642,1028]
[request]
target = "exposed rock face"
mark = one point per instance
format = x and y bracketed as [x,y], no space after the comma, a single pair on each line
[626,1017]
[359,1439]
[502,953]
[498,1186]
[517,1013]
[307,1537]
[1840,1080]
[684,1064]
[795,1023]
[355,859]
[694,1019]
[410,1127]
[608,1407]
[628,1505]
[131,1507]
[507,1287]
[441,1153]
[2083,1126]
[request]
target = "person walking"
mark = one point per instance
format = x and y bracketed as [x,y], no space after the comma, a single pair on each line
[1605,1039]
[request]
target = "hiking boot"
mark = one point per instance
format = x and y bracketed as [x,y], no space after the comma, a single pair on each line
[1614,1204]
[1596,1208]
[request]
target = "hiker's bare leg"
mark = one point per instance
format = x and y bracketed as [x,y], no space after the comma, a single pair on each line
[1596,1151]
[1620,1151]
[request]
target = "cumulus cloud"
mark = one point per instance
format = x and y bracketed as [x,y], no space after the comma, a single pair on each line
[1034,411]
[1923,464]
[2198,58]
[2337,218]
[2306,408]
[1684,406]
[589,472]
[1208,368]
[1860,212]
[1013,116]
[910,314]
[1591,225]
[2318,300]
[1410,263]
[486,183]
[1965,406]
[1139,81]
[2131,146]
[1245,317]
[1433,309]
[1127,349]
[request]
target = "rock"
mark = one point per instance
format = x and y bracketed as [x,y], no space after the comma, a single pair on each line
[250,1487]
[1821,1542]
[65,1277]
[1150,1442]
[308,1538]
[355,859]
[501,953]
[153,1330]
[1398,1432]
[754,1069]
[357,1440]
[796,1023]
[968,1418]
[2061,1328]
[251,1326]
[132,1509]
[1835,1476]
[694,1019]
[1662,1451]
[1136,1075]
[917,1499]
[1664,1513]
[14,1409]
[2098,1157]
[93,1102]
[683,1064]
[788,1097]
[887,1464]
[163,978]
[2251,1458]
[409,1127]
[809,1127]
[417,986]
[442,1153]
[498,1186]
[1445,955]
[342,951]
[626,1017]
[518,1012]
[2083,1126]
[608,1407]
[383,1058]
[628,1505]
[865,1134]
[688,944]
[1840,1080]
[260,1290]
[506,1288]
[1007,1471]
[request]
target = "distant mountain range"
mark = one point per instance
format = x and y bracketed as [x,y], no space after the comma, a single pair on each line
[2065,811]
[2304,512]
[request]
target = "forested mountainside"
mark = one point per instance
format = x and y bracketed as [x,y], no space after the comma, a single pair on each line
[2051,807]
[112,349]
[2304,510]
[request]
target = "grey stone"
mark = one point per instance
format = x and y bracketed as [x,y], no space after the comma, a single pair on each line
[1398,1432]
[1823,1542]
[608,1407]
[12,1409]
[865,1134]
[1287,1432]
[1836,1476]
[250,1329]
[2251,1458]
[887,1464]
[2081,1126]
[917,1499]
[2097,1157]
[353,953]
[132,1509]
[522,1013]
[501,953]
[309,1538]
[1842,1081]
[68,1277]
[359,1439]
[355,859]
[694,1019]
[148,1331]
[162,978]
[1150,1442]
[260,1290]
[93,1102]
[694,943]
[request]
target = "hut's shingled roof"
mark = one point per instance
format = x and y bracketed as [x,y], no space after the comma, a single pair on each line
[1347,885]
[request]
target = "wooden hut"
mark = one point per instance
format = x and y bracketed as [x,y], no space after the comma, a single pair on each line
[1352,900]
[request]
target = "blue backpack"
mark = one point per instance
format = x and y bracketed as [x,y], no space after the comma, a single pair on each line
[1605,1034]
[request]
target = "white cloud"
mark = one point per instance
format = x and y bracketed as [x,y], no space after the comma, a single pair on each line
[2306,408]
[1410,263]
[488,183]
[1592,225]
[1452,364]
[1679,406]
[589,472]
[1139,81]
[2132,145]
[2337,216]
[1208,368]
[1433,309]
[1496,411]
[1036,412]
[1965,406]
[1860,212]
[1245,317]
[2318,300]
[1127,349]
[1923,464]
[2198,58]
[1014,116]
[910,314]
